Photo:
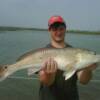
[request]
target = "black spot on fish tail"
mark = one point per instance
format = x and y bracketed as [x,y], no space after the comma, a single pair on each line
[3,68]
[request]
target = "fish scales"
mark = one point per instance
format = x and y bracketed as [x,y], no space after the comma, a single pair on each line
[69,60]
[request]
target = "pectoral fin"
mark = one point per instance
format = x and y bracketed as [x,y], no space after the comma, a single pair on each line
[70,70]
[33,70]
[67,75]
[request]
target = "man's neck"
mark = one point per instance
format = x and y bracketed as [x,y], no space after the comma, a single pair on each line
[58,45]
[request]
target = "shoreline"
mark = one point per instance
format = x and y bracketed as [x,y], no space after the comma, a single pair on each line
[4,28]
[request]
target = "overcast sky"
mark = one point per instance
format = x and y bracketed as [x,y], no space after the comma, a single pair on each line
[78,14]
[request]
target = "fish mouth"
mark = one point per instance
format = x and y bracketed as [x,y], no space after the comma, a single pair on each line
[3,70]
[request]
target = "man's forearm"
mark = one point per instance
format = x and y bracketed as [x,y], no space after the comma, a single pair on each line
[84,76]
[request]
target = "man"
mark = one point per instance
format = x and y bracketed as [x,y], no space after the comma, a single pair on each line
[53,85]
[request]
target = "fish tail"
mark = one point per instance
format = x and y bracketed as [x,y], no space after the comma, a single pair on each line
[32,71]
[3,67]
[2,72]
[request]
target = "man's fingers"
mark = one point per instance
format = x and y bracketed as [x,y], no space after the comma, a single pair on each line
[49,66]
[52,68]
[55,67]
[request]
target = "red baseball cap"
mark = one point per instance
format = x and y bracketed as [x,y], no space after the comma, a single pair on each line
[55,19]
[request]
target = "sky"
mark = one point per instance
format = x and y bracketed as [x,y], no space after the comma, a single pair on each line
[78,14]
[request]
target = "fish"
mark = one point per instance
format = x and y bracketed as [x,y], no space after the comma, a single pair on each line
[69,60]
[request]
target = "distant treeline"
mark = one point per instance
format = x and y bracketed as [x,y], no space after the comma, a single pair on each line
[84,32]
[6,28]
[3,28]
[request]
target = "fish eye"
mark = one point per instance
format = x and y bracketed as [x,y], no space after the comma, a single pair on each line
[5,67]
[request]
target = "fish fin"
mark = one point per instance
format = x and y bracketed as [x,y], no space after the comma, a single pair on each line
[25,55]
[70,70]
[33,70]
[69,74]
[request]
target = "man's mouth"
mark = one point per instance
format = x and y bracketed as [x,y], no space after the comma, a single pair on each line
[58,35]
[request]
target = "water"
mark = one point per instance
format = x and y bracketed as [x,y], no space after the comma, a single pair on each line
[19,87]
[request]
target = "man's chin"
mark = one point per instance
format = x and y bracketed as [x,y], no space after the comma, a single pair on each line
[59,40]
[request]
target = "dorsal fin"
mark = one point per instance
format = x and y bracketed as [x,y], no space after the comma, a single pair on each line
[30,52]
[25,55]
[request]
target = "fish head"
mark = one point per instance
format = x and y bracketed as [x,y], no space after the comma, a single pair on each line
[86,58]
[3,72]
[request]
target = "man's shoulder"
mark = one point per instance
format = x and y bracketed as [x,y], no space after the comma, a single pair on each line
[68,45]
[48,46]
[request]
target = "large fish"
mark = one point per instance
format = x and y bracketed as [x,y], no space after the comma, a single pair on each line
[69,60]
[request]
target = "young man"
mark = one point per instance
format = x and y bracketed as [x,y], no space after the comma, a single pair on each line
[53,85]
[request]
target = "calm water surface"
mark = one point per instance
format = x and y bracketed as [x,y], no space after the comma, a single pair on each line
[15,43]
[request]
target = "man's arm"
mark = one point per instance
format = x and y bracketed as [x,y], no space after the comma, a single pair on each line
[84,76]
[47,74]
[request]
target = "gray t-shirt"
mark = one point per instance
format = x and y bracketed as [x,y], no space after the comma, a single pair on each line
[61,89]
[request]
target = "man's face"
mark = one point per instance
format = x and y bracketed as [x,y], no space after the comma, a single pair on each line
[57,32]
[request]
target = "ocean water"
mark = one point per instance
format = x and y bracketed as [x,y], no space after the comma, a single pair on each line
[19,86]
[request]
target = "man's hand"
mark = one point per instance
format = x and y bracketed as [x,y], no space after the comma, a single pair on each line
[84,76]
[92,67]
[48,71]
[49,66]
